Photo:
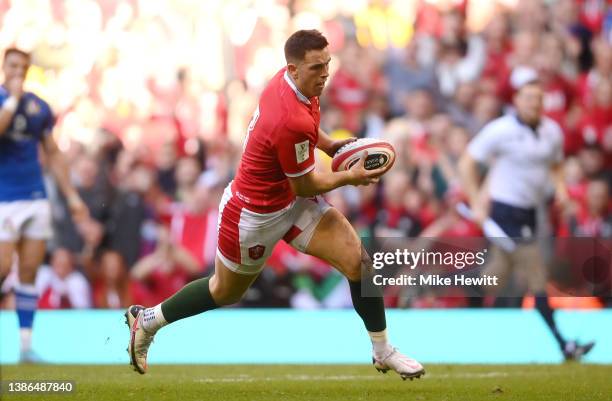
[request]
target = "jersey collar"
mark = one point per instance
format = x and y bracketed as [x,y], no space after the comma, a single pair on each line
[530,127]
[297,92]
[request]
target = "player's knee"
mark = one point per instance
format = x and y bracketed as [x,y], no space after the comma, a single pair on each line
[27,275]
[6,261]
[352,263]
[27,270]
[225,295]
[226,298]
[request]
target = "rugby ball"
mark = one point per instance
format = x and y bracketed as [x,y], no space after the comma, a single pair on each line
[380,153]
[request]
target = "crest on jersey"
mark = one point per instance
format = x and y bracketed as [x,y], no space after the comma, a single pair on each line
[32,108]
[256,252]
[301,152]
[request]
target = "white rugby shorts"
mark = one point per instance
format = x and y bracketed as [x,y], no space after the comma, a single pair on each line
[246,239]
[25,218]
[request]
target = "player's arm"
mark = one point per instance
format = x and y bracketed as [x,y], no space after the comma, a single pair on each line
[480,150]
[9,106]
[59,169]
[470,177]
[557,171]
[143,267]
[185,259]
[316,183]
[558,177]
[330,146]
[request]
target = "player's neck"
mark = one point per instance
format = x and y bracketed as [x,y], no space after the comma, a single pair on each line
[297,86]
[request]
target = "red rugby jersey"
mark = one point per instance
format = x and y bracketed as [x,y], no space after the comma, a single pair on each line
[280,143]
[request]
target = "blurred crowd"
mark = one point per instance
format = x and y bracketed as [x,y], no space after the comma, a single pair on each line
[153,99]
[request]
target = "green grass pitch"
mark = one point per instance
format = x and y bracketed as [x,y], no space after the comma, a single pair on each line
[325,382]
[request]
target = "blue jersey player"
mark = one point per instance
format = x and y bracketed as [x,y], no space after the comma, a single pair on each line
[26,122]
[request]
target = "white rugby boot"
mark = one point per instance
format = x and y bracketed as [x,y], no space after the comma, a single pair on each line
[140,340]
[406,367]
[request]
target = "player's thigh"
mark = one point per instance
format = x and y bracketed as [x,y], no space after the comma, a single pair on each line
[531,268]
[335,241]
[31,254]
[10,222]
[7,253]
[37,222]
[499,265]
[228,286]
[246,239]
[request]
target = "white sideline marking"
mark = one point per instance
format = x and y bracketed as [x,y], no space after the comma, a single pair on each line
[305,377]
[247,378]
[471,375]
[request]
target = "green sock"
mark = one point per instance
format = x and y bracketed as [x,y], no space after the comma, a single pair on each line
[192,299]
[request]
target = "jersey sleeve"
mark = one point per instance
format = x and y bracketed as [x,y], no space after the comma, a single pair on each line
[559,143]
[485,144]
[295,153]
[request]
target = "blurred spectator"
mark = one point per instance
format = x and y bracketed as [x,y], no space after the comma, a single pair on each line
[459,56]
[559,93]
[186,175]
[602,69]
[61,285]
[96,195]
[595,220]
[165,163]
[112,287]
[352,84]
[595,127]
[530,15]
[461,109]
[394,219]
[447,164]
[498,49]
[487,108]
[404,73]
[163,272]
[131,209]
[592,160]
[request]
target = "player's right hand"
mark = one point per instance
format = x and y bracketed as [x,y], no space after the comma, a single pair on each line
[15,87]
[361,176]
[479,214]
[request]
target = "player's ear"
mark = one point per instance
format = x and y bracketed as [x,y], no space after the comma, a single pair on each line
[292,69]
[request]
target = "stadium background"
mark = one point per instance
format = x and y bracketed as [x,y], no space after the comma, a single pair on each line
[152,100]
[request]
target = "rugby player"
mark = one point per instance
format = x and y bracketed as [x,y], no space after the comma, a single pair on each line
[524,151]
[276,196]
[26,122]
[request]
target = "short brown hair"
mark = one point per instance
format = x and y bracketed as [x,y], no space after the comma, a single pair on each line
[14,50]
[302,41]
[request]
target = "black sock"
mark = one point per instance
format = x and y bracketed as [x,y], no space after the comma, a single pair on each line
[542,305]
[370,309]
[192,299]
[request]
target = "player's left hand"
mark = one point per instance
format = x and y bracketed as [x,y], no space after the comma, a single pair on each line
[335,145]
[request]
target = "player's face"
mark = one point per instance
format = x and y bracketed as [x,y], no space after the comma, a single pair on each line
[311,73]
[529,103]
[15,66]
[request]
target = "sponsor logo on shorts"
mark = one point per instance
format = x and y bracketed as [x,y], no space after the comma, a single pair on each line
[7,225]
[256,252]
